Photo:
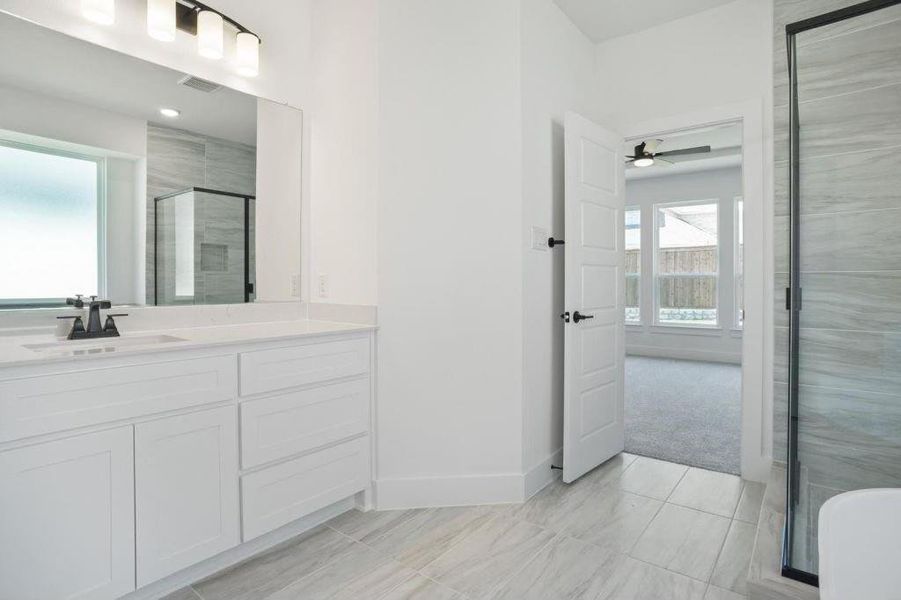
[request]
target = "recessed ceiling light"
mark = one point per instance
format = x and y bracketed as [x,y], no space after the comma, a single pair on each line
[170,112]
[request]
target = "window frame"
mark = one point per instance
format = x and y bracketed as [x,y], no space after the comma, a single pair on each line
[738,322]
[101,163]
[656,265]
[640,275]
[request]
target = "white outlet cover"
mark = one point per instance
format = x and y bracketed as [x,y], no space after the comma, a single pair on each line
[323,286]
[540,236]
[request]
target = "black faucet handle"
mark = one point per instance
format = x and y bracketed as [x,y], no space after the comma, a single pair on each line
[77,301]
[110,325]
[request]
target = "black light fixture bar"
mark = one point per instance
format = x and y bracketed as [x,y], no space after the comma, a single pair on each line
[186,17]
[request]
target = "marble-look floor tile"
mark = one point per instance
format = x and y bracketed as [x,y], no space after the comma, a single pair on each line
[565,569]
[187,593]
[683,540]
[427,535]
[635,580]
[651,477]
[366,526]
[277,568]
[610,470]
[612,519]
[708,491]
[731,571]
[718,593]
[749,506]
[418,587]
[488,557]
[361,573]
[554,506]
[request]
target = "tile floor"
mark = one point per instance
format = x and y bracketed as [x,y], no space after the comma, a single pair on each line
[633,529]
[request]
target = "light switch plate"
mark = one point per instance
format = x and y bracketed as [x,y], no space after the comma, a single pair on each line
[540,236]
[323,286]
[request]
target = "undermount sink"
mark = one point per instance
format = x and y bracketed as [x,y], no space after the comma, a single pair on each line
[100,346]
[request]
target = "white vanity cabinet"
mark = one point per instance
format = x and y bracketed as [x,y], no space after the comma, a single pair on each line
[186,490]
[67,518]
[117,472]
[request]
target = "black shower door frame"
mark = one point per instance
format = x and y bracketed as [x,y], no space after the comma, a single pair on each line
[794,293]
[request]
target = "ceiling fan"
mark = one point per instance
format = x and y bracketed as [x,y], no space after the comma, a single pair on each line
[646,153]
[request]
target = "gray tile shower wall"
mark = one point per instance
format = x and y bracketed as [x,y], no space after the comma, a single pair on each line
[179,159]
[849,80]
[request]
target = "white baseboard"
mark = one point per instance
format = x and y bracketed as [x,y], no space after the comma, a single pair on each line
[239,554]
[683,354]
[471,490]
[541,474]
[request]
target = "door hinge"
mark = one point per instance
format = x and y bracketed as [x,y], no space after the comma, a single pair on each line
[788,299]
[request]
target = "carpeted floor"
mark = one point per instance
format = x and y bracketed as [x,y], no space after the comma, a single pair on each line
[684,411]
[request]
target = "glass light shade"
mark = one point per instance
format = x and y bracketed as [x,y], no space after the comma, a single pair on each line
[210,34]
[161,19]
[248,50]
[102,12]
[644,162]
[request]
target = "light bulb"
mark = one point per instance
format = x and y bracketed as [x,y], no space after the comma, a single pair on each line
[210,34]
[248,54]
[643,162]
[170,112]
[161,19]
[102,12]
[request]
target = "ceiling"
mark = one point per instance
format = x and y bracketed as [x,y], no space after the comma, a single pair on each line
[604,19]
[725,143]
[54,64]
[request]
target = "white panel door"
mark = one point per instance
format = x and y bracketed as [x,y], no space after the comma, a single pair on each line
[186,490]
[67,518]
[594,350]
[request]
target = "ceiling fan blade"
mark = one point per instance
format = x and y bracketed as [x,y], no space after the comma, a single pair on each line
[684,151]
[662,162]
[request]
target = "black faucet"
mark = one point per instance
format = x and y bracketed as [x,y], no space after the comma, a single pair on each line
[94,330]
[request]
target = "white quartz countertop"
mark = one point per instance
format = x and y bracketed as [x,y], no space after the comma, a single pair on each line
[47,348]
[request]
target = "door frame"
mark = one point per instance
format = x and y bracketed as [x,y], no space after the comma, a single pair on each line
[757,335]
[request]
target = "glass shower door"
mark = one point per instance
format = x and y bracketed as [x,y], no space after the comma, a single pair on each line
[204,247]
[844,376]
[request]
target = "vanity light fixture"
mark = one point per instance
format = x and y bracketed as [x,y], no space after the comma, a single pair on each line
[170,112]
[248,51]
[102,12]
[161,20]
[210,34]
[165,17]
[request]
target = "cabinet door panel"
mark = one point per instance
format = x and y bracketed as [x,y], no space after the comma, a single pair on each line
[67,518]
[186,488]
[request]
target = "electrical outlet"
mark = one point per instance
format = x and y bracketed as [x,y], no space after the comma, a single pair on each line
[295,285]
[540,237]
[323,286]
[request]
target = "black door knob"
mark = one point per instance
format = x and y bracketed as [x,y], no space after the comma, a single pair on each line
[577,316]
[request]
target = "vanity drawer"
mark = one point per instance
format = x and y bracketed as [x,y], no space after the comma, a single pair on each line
[60,401]
[281,368]
[288,491]
[301,420]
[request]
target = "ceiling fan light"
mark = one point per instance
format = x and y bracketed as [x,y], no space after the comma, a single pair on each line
[102,12]
[644,161]
[161,20]
[210,34]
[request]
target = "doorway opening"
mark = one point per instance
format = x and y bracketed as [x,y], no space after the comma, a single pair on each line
[683,282]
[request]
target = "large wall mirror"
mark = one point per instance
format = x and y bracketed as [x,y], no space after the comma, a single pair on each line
[120,178]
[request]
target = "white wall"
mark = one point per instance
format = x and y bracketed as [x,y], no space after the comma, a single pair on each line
[344,151]
[722,344]
[450,262]
[558,64]
[717,57]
